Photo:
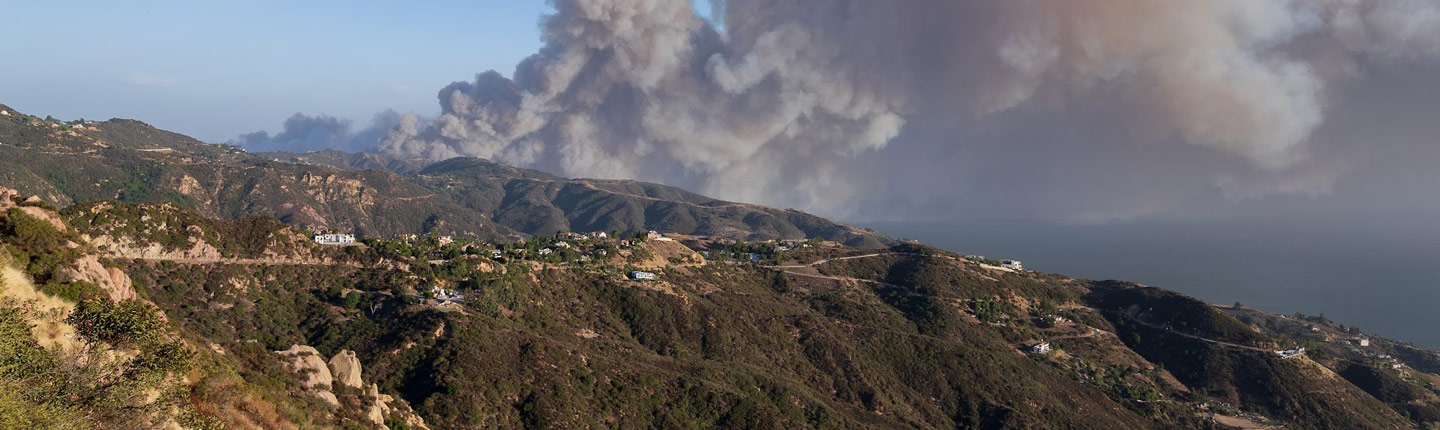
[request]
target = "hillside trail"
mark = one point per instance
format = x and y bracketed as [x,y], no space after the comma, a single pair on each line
[234,261]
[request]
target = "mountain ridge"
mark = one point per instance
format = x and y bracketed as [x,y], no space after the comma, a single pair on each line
[126,160]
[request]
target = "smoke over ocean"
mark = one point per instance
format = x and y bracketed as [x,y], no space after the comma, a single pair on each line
[908,109]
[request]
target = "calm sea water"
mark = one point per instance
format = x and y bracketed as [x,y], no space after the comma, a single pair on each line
[1381,278]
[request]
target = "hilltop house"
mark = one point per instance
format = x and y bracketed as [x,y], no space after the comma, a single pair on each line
[447,297]
[1012,264]
[1041,348]
[334,239]
[1291,353]
[642,276]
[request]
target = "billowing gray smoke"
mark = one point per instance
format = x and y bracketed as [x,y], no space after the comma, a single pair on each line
[1077,109]
[304,133]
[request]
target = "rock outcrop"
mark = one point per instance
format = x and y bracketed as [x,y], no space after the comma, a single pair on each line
[112,280]
[307,362]
[346,369]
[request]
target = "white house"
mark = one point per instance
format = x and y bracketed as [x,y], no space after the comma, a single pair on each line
[1012,264]
[546,251]
[4,113]
[1362,342]
[1290,353]
[599,234]
[334,239]
[642,276]
[1041,348]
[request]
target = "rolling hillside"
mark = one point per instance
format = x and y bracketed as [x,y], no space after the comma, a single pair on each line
[126,160]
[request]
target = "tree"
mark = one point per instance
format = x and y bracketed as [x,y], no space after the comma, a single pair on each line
[353,299]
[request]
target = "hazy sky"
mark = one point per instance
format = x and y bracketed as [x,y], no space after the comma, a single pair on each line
[216,69]
[1081,110]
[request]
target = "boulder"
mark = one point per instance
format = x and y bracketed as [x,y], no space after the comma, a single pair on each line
[378,408]
[112,280]
[346,368]
[306,361]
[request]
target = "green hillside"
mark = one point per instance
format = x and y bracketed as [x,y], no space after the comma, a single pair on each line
[126,160]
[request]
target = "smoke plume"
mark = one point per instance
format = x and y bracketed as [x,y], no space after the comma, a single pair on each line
[1079,109]
[304,133]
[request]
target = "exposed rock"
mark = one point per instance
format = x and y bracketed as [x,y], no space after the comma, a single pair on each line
[346,368]
[7,198]
[306,361]
[46,216]
[126,247]
[378,408]
[112,280]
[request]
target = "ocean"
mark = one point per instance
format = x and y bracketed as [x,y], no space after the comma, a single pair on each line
[1383,279]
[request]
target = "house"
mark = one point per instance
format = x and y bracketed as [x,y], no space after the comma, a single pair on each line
[1041,348]
[560,244]
[642,276]
[447,297]
[4,113]
[445,240]
[1362,341]
[546,251]
[1291,353]
[495,253]
[1012,264]
[599,234]
[334,239]
[652,234]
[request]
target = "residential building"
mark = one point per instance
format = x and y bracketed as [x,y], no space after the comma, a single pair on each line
[642,276]
[334,239]
[1041,348]
[1012,264]
[1290,353]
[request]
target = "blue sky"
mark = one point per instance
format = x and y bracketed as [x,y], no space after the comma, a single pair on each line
[217,69]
